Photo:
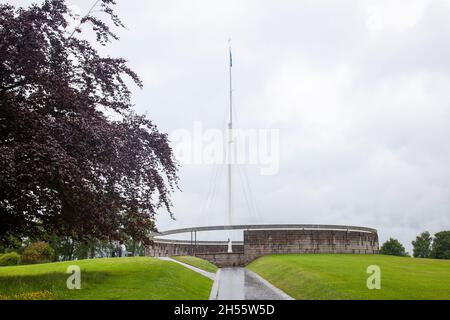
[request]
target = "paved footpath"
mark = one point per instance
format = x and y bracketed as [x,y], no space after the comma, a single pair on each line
[243,284]
[238,284]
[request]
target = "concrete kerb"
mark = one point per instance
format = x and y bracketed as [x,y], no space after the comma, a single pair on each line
[215,287]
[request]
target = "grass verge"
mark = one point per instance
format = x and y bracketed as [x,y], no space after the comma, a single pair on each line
[110,278]
[197,262]
[344,276]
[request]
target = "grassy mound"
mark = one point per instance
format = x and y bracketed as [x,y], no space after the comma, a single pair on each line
[112,278]
[197,262]
[343,276]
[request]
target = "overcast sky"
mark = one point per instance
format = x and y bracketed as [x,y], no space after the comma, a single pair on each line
[359,91]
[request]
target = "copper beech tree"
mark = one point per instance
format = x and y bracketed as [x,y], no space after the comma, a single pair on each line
[66,168]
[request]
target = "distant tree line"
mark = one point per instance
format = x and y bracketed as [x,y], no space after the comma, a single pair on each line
[65,249]
[424,246]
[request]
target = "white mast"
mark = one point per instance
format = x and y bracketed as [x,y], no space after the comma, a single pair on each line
[230,158]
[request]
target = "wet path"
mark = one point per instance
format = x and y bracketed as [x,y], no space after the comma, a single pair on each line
[243,284]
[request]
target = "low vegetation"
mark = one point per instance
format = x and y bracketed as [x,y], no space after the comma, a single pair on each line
[9,259]
[197,262]
[39,252]
[344,276]
[110,278]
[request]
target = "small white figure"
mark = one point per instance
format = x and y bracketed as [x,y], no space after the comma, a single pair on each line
[230,246]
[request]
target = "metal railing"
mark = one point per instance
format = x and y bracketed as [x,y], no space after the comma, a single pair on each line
[265,227]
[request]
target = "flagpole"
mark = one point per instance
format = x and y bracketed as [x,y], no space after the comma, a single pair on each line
[230,158]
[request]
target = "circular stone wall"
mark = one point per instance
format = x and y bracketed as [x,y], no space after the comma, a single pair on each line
[260,240]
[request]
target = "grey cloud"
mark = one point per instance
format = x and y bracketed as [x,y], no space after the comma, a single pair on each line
[363,115]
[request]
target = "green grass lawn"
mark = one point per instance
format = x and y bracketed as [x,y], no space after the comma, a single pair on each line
[343,276]
[111,278]
[197,262]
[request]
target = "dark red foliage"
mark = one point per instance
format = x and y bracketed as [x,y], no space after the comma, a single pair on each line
[65,167]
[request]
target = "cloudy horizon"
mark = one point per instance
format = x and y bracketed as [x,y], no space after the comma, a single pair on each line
[358,91]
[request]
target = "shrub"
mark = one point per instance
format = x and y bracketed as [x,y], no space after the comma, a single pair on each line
[394,248]
[38,252]
[10,259]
